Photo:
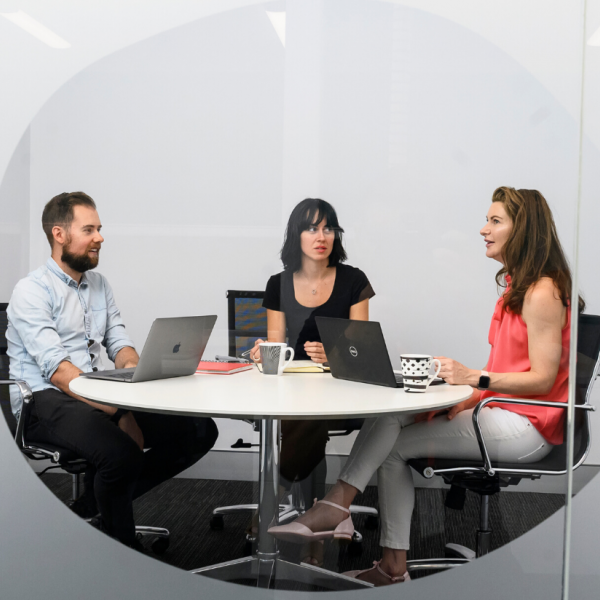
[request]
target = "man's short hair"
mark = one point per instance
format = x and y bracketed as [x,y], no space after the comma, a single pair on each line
[59,211]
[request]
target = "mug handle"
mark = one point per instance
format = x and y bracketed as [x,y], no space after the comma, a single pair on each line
[285,364]
[437,372]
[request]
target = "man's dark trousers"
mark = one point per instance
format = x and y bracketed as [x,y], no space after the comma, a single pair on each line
[121,471]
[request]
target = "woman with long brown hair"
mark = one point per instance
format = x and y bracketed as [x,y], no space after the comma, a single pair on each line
[529,357]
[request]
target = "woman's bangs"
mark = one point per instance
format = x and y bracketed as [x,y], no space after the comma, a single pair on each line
[316,212]
[313,216]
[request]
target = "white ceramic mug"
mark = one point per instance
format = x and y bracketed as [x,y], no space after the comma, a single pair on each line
[272,357]
[416,371]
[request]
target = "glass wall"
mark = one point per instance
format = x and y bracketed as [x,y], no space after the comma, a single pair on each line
[197,128]
[583,548]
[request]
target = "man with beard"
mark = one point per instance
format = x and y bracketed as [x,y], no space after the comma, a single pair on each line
[58,318]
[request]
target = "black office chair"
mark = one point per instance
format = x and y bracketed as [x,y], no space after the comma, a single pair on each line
[247,322]
[60,457]
[4,394]
[485,477]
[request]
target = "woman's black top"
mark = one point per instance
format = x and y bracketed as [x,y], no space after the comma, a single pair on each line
[351,286]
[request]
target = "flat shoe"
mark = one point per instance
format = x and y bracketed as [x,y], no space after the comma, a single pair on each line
[313,554]
[377,576]
[300,534]
[312,561]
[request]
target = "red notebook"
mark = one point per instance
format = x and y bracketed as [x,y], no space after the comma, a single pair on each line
[222,368]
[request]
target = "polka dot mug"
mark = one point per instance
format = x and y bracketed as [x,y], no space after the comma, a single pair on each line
[416,371]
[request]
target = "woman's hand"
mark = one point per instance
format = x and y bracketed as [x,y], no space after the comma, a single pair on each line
[455,373]
[464,405]
[255,352]
[316,351]
[427,416]
[457,408]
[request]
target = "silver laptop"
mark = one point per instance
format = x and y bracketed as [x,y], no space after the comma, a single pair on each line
[173,348]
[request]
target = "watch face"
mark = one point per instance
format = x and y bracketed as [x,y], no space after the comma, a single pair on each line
[484,382]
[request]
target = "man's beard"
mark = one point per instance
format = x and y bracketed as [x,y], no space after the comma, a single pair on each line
[79,262]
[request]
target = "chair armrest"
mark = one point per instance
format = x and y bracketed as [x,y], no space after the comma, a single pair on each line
[503,400]
[340,432]
[487,464]
[27,395]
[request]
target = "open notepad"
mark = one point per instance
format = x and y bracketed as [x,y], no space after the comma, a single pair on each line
[302,366]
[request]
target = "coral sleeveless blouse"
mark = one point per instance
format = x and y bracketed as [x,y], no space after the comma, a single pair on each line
[510,354]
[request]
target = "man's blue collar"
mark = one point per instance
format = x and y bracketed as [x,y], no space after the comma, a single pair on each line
[51,264]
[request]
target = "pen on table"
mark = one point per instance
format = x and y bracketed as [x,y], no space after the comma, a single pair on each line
[230,359]
[247,353]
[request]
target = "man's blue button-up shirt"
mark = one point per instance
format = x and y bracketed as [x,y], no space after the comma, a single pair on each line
[51,319]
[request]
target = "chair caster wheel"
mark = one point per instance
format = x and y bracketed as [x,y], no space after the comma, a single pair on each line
[371,522]
[160,545]
[217,523]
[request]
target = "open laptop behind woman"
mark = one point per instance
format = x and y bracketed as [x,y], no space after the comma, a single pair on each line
[314,282]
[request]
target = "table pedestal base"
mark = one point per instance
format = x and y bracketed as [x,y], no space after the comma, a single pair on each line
[266,572]
[265,567]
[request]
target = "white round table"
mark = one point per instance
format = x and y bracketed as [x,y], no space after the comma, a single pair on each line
[269,399]
[251,394]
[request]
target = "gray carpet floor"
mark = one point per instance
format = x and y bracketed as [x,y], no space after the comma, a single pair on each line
[184,506]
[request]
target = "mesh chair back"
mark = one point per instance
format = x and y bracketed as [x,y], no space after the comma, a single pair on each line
[3,327]
[588,351]
[588,363]
[4,389]
[246,318]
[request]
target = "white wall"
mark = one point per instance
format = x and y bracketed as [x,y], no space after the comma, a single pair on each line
[14,218]
[197,141]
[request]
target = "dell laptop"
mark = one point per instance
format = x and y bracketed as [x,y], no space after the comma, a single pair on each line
[356,351]
[173,348]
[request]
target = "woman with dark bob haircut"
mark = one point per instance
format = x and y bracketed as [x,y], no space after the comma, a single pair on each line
[314,283]
[529,358]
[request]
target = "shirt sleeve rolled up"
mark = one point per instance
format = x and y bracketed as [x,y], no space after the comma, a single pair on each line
[30,312]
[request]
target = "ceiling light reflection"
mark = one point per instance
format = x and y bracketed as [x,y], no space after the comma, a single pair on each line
[595,39]
[35,28]
[278,21]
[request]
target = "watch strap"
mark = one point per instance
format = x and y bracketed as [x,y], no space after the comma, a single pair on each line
[484,381]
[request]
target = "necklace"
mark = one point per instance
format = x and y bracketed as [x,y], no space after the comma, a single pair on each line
[313,291]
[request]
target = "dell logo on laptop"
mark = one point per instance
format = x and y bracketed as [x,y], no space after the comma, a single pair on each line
[353,351]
